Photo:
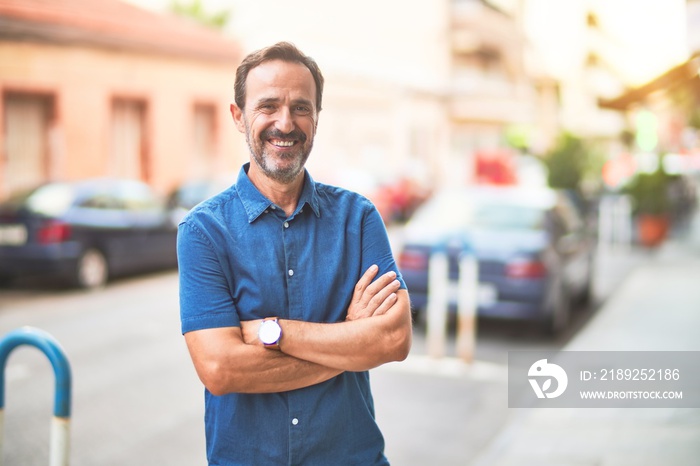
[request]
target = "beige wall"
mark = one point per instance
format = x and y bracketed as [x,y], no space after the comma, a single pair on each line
[387,68]
[84,81]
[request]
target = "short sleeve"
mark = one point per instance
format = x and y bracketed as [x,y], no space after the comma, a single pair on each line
[205,299]
[376,247]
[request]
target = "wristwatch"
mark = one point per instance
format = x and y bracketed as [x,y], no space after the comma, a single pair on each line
[270,333]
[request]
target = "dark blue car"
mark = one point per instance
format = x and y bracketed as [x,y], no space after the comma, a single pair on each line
[533,249]
[85,231]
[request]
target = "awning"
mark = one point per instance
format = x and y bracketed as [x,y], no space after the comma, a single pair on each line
[684,73]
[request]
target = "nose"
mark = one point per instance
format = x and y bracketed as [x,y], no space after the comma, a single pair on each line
[284,121]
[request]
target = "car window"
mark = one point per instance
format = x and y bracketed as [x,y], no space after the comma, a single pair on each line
[51,199]
[456,212]
[444,212]
[507,217]
[101,201]
[138,197]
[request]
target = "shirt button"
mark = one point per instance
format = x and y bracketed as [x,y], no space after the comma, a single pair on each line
[295,421]
[291,272]
[286,224]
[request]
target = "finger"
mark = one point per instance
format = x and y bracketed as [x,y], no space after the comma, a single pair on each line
[380,296]
[378,303]
[364,282]
[375,288]
[386,305]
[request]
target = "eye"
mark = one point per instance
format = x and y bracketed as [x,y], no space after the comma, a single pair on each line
[267,107]
[302,110]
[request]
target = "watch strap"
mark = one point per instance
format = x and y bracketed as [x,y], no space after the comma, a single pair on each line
[276,344]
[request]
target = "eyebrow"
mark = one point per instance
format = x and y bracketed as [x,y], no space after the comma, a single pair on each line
[275,100]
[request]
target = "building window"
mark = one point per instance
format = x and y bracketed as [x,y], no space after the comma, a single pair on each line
[128,141]
[27,120]
[204,140]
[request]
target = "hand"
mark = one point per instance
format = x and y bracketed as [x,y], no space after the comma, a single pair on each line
[249,329]
[373,299]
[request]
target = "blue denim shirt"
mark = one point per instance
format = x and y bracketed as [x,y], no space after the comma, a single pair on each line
[241,258]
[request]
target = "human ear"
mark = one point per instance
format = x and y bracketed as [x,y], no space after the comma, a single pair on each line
[237,115]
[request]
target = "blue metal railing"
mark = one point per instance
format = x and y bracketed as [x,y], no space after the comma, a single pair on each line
[60,427]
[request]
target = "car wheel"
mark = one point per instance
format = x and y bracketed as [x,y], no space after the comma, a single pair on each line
[92,270]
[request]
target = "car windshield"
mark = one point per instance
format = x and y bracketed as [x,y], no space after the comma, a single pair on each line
[454,212]
[507,217]
[51,199]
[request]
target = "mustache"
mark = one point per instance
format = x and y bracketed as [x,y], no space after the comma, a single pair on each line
[274,133]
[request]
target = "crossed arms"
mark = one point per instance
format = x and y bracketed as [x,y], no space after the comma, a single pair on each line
[377,330]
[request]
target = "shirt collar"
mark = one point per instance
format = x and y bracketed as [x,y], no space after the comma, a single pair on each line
[255,203]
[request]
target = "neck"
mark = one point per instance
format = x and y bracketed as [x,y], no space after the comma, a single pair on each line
[284,195]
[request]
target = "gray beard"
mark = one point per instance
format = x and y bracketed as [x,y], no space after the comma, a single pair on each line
[281,175]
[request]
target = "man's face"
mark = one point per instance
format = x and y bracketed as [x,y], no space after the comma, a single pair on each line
[279,119]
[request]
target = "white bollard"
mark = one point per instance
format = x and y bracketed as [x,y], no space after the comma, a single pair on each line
[437,307]
[615,224]
[2,430]
[623,223]
[467,303]
[60,441]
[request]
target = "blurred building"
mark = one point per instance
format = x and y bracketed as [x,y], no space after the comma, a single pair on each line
[103,88]
[662,113]
[499,99]
[412,92]
[417,93]
[386,66]
[596,49]
[422,91]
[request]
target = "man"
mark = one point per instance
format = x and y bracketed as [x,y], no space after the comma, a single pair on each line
[289,293]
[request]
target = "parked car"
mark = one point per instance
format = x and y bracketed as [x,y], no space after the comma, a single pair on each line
[190,193]
[85,232]
[533,249]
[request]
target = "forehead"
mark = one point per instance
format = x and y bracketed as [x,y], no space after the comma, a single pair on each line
[280,79]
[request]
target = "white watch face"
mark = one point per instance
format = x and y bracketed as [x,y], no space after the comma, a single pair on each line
[269,332]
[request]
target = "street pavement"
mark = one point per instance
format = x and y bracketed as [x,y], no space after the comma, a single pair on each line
[650,301]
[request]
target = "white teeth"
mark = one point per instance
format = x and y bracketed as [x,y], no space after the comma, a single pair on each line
[283,143]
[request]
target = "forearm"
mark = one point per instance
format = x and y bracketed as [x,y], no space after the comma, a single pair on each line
[245,368]
[352,345]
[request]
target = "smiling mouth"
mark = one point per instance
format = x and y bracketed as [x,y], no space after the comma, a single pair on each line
[281,142]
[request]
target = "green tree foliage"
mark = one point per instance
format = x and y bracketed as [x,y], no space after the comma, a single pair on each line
[567,162]
[194,9]
[687,99]
[649,192]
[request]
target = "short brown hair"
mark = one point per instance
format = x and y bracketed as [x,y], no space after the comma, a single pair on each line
[284,51]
